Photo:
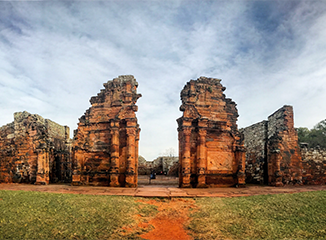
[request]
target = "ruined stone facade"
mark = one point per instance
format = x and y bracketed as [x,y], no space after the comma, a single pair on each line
[105,149]
[256,152]
[211,150]
[313,165]
[273,153]
[34,150]
[159,165]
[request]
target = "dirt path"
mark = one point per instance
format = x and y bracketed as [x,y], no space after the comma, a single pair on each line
[173,211]
[163,191]
[169,222]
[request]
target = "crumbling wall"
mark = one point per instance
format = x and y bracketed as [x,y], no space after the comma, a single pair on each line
[105,149]
[143,166]
[313,165]
[168,162]
[256,150]
[160,165]
[56,130]
[32,151]
[273,153]
[283,151]
[174,169]
[211,150]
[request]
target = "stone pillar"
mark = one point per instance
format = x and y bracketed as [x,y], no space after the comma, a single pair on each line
[136,155]
[185,158]
[131,165]
[278,175]
[42,176]
[115,164]
[76,175]
[274,168]
[201,158]
[180,134]
[241,159]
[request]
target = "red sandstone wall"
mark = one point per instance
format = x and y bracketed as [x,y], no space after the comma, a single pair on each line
[105,149]
[283,151]
[273,153]
[211,148]
[33,149]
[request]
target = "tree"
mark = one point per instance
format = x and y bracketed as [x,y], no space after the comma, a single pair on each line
[170,152]
[315,137]
[321,127]
[303,134]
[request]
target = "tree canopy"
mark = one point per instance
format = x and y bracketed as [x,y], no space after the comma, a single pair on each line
[314,137]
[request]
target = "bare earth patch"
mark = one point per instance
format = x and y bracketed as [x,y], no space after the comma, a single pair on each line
[169,222]
[166,218]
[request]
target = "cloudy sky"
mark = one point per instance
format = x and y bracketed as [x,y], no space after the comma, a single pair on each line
[55,55]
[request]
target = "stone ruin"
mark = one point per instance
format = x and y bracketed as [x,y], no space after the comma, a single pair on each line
[34,150]
[105,148]
[211,150]
[273,153]
[313,165]
[167,165]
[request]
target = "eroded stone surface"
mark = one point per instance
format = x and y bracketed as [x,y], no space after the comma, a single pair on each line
[211,151]
[256,152]
[313,165]
[105,149]
[34,150]
[161,165]
[273,152]
[283,151]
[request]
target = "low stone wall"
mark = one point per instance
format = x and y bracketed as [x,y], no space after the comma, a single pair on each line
[314,165]
[160,165]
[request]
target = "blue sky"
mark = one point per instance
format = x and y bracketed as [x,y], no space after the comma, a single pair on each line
[55,55]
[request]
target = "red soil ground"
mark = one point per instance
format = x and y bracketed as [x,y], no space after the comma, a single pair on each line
[173,211]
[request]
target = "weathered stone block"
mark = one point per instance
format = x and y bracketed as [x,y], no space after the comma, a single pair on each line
[314,167]
[105,149]
[211,151]
[272,147]
[34,150]
[161,165]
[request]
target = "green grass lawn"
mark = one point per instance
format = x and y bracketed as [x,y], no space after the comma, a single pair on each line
[37,215]
[282,216]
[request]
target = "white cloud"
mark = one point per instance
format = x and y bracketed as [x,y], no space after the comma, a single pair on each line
[55,55]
